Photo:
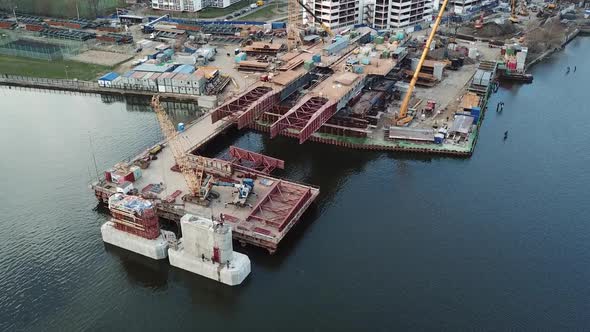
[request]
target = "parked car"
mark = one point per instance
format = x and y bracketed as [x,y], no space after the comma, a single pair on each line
[229,17]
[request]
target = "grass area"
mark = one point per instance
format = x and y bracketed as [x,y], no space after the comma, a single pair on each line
[211,12]
[64,8]
[50,69]
[263,13]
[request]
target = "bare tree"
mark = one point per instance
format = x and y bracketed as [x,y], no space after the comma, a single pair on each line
[94,5]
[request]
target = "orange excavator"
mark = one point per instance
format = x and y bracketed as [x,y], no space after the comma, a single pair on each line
[404,118]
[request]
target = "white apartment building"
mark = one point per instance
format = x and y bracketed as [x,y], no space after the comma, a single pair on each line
[395,14]
[461,6]
[336,13]
[190,5]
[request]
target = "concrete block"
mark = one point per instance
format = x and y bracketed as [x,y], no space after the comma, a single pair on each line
[155,249]
[238,270]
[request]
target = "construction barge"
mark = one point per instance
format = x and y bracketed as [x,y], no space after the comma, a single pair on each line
[240,191]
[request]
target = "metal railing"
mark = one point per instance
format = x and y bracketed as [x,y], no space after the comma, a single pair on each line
[48,82]
[78,85]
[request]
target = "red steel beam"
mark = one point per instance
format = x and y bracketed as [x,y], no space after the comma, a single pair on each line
[318,119]
[306,117]
[263,104]
[259,162]
[239,104]
[280,204]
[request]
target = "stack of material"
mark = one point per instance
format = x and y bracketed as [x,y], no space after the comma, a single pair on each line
[469,101]
[428,66]
[412,134]
[253,65]
[292,63]
[116,38]
[9,25]
[263,48]
[208,72]
[423,78]
[346,78]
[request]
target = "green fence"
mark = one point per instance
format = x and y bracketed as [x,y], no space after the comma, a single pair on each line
[39,48]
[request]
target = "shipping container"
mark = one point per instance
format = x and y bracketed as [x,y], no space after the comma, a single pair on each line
[136,172]
[278,25]
[439,138]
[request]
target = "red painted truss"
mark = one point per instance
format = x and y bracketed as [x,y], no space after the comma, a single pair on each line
[280,204]
[245,108]
[306,117]
[255,161]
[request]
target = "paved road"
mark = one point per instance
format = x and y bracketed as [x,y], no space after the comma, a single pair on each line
[249,11]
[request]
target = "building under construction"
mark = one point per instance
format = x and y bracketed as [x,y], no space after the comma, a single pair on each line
[341,92]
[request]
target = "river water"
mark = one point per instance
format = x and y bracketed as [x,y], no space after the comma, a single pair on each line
[395,241]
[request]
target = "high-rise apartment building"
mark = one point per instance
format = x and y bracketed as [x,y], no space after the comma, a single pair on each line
[190,5]
[336,13]
[462,6]
[394,14]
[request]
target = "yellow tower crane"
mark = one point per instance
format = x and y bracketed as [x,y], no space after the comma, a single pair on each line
[403,117]
[294,20]
[192,171]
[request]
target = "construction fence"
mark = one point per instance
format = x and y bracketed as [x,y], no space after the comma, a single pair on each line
[48,82]
[37,47]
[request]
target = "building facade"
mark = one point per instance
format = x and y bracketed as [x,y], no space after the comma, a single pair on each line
[190,5]
[336,13]
[462,6]
[396,14]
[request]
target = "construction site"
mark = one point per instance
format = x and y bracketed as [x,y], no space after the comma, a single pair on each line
[422,92]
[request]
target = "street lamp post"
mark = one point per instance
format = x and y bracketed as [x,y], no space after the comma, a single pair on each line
[67,75]
[14,13]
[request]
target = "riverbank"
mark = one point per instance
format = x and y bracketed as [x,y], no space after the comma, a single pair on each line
[547,54]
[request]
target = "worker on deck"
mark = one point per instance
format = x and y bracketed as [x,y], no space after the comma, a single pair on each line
[506,134]
[568,70]
[575,69]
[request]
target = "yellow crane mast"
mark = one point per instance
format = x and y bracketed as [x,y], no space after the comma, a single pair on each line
[294,19]
[193,174]
[403,117]
[513,17]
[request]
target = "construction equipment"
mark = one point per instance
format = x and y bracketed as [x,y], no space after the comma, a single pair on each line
[513,17]
[404,118]
[522,11]
[294,20]
[149,27]
[479,22]
[316,18]
[244,189]
[430,106]
[193,172]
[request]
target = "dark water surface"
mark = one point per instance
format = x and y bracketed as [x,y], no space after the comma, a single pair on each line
[395,242]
